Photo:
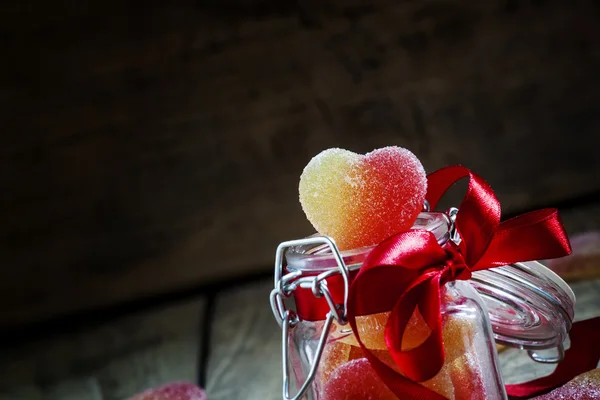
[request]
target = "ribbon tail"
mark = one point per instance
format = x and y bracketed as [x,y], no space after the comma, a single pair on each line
[532,236]
[583,356]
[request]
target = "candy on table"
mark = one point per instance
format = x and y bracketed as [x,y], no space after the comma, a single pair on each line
[361,200]
[356,380]
[583,387]
[173,391]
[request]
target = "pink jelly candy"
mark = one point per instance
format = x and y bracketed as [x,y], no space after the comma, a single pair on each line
[356,380]
[360,200]
[583,387]
[173,391]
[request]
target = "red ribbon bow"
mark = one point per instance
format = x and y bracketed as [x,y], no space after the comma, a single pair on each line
[407,271]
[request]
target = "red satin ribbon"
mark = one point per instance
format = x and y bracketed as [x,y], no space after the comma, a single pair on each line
[407,271]
[583,356]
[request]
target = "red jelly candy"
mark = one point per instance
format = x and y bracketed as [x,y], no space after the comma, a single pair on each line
[361,200]
[356,380]
[173,391]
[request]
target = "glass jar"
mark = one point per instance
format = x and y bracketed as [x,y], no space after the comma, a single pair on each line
[523,305]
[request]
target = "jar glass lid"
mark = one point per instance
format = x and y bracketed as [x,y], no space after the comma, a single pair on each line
[307,258]
[530,307]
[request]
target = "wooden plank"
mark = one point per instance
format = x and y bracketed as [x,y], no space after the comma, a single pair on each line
[110,361]
[245,351]
[166,141]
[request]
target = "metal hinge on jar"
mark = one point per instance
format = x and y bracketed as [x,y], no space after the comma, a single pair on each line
[286,284]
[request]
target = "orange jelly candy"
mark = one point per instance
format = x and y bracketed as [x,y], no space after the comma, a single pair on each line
[458,379]
[361,200]
[371,329]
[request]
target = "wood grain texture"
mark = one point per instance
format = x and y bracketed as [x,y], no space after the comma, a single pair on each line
[110,361]
[245,351]
[145,150]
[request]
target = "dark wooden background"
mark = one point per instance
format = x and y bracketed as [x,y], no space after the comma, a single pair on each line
[149,149]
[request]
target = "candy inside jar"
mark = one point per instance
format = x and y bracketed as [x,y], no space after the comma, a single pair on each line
[470,369]
[343,372]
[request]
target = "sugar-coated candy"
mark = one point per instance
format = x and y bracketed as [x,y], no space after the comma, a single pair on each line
[356,380]
[457,333]
[583,387]
[334,354]
[467,378]
[460,364]
[372,331]
[361,200]
[458,336]
[173,391]
[441,383]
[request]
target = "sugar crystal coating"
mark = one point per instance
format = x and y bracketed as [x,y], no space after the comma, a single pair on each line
[360,200]
[583,387]
[173,391]
[335,354]
[467,378]
[356,380]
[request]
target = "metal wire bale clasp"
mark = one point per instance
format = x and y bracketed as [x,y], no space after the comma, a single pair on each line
[287,319]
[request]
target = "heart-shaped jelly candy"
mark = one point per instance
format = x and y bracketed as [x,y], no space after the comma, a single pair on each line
[361,200]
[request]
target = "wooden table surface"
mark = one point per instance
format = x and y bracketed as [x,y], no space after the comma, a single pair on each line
[227,341]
